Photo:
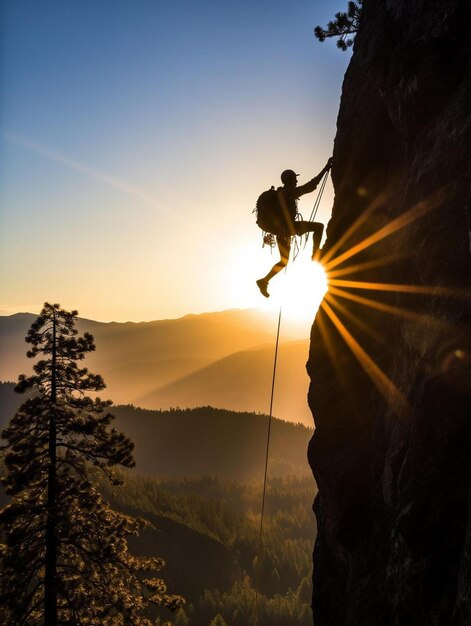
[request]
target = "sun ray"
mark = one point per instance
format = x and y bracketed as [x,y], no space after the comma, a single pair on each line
[386,308]
[354,227]
[366,265]
[386,387]
[354,318]
[328,343]
[437,290]
[421,209]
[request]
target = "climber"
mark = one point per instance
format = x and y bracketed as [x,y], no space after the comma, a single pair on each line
[288,196]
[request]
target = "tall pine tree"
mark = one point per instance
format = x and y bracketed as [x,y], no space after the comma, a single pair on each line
[65,560]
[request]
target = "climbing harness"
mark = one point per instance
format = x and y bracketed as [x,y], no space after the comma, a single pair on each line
[269,239]
[270,417]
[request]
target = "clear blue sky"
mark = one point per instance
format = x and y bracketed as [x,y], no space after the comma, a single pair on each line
[136,137]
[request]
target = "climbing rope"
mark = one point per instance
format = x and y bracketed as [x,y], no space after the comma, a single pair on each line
[275,360]
[317,203]
[319,197]
[259,548]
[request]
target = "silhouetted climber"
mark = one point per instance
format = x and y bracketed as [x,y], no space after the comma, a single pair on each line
[284,225]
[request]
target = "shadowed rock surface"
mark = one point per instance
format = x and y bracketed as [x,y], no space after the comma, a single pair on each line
[390,389]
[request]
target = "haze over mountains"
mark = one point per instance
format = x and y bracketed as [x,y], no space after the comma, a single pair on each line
[222,359]
[200,442]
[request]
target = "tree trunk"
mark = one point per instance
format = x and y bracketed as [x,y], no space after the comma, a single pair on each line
[50,578]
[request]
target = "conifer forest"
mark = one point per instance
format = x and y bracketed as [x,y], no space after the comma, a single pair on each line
[88,539]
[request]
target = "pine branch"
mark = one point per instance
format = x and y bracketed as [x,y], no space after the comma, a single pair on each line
[345,24]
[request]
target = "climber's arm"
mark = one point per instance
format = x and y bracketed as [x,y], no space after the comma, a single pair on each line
[312,184]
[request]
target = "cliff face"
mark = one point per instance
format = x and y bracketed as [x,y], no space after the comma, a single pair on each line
[390,369]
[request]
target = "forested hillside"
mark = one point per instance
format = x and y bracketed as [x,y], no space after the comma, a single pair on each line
[202,441]
[198,484]
[210,527]
[207,441]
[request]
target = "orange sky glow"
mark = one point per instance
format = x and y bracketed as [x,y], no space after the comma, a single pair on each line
[128,188]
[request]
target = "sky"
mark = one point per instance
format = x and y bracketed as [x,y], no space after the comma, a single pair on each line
[135,138]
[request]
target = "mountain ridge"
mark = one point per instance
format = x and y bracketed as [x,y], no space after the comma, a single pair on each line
[223,359]
[203,441]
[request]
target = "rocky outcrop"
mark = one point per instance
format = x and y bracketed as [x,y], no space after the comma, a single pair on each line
[390,366]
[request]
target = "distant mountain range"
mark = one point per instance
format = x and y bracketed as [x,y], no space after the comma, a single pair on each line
[220,359]
[242,382]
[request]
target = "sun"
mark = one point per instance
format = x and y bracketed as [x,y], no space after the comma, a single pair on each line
[305,284]
[299,291]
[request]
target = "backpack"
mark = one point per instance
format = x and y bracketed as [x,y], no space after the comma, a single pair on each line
[269,212]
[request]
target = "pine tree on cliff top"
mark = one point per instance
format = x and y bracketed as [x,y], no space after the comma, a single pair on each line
[345,23]
[65,560]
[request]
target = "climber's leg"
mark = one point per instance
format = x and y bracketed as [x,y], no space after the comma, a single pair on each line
[317,228]
[284,246]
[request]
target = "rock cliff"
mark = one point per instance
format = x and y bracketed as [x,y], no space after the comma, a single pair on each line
[390,365]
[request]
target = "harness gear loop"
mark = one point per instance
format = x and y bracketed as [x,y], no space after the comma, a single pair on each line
[269,240]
